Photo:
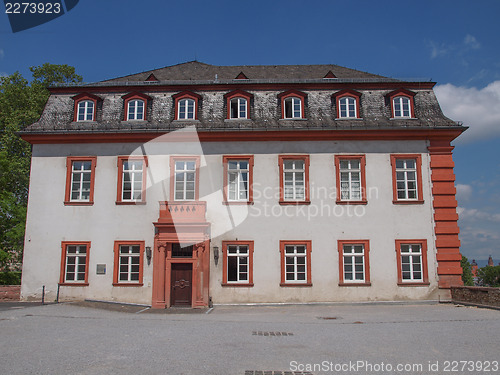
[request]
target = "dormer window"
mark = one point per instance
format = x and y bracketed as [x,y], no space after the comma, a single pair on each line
[135,109]
[402,103]
[347,104]
[136,105]
[238,103]
[293,107]
[238,108]
[186,109]
[85,110]
[85,107]
[347,107]
[401,106]
[186,105]
[292,104]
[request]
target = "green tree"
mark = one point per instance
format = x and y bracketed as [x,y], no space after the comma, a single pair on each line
[489,276]
[21,104]
[467,277]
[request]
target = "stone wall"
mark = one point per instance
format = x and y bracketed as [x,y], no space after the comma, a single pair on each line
[10,292]
[476,295]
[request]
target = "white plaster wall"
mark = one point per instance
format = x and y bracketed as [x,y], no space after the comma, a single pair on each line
[266,223]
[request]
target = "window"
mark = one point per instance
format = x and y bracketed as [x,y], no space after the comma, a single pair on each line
[128,264]
[238,102]
[292,104]
[186,109]
[181,250]
[293,107]
[401,103]
[295,263]
[85,107]
[238,179]
[238,108]
[412,262]
[135,109]
[238,263]
[184,178]
[132,179]
[407,177]
[186,105]
[351,180]
[136,106]
[347,104]
[80,178]
[294,179]
[75,263]
[86,110]
[354,263]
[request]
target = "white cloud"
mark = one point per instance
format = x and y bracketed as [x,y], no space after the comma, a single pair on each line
[477,108]
[463,192]
[438,49]
[471,42]
[473,214]
[454,49]
[2,54]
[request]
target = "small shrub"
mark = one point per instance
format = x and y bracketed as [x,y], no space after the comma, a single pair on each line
[10,278]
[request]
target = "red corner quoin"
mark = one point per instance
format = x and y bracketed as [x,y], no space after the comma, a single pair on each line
[445,215]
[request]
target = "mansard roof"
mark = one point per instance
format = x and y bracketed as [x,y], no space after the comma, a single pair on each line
[264,84]
[198,71]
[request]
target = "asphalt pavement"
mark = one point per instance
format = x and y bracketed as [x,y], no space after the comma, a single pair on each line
[249,340]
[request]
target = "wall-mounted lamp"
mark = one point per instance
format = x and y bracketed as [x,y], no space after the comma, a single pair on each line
[216,254]
[148,254]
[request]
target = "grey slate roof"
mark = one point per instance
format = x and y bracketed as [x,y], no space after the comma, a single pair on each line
[198,71]
[265,107]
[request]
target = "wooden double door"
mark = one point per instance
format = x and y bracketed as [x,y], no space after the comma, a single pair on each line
[181,284]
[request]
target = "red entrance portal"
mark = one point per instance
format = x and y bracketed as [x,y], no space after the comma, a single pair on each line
[181,258]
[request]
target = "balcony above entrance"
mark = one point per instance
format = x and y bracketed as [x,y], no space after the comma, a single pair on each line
[182,212]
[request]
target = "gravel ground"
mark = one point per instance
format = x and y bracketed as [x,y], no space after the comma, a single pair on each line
[308,339]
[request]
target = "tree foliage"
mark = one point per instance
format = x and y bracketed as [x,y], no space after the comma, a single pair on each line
[489,276]
[467,277]
[21,104]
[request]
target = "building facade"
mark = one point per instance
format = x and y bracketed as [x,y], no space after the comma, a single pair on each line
[242,184]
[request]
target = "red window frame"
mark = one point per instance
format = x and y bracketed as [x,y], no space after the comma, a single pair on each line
[237,94]
[366,245]
[406,93]
[82,97]
[196,160]
[64,245]
[119,195]
[308,245]
[281,159]
[225,160]
[116,281]
[250,245]
[418,163]
[362,165]
[293,93]
[347,93]
[69,173]
[425,275]
[136,96]
[186,95]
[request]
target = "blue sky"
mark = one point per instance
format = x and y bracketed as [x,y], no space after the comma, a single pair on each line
[455,43]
